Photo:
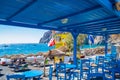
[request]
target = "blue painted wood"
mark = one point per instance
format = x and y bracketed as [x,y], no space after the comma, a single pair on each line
[113,27]
[116,11]
[112,21]
[84,68]
[16,76]
[91,22]
[106,44]
[75,34]
[22,9]
[33,73]
[113,50]
[30,25]
[73,14]
[108,5]
[109,28]
[61,70]
[86,14]
[70,66]
[98,70]
[50,72]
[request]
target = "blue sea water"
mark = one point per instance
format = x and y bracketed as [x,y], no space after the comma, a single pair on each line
[10,49]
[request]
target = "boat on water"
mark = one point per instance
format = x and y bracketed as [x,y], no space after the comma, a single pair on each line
[5,45]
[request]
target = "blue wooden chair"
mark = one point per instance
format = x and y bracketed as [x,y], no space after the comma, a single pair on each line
[109,72]
[50,72]
[100,62]
[61,71]
[98,70]
[15,76]
[111,68]
[84,68]
[73,75]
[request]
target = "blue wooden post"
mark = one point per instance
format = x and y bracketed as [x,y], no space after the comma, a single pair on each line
[106,44]
[74,34]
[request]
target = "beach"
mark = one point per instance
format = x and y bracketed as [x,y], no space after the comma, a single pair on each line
[35,55]
[5,71]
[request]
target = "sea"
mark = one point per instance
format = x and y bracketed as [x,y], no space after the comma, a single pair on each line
[31,48]
[28,48]
[90,46]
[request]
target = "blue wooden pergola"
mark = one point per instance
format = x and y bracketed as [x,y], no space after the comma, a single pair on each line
[96,17]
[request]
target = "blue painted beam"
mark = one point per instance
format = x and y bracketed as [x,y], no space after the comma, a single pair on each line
[92,21]
[50,28]
[117,7]
[98,23]
[106,44]
[98,30]
[107,31]
[21,9]
[75,34]
[99,27]
[114,31]
[96,34]
[92,33]
[30,26]
[118,32]
[109,6]
[70,15]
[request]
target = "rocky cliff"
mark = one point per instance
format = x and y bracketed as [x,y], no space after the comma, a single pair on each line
[46,37]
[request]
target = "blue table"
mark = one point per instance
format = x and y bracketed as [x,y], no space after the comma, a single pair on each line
[70,66]
[67,70]
[33,73]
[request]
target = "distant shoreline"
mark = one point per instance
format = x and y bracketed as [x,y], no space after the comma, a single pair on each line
[32,48]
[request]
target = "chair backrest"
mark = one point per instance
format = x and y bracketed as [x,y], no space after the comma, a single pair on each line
[16,76]
[50,72]
[85,65]
[109,71]
[100,60]
[78,63]
[97,70]
[61,69]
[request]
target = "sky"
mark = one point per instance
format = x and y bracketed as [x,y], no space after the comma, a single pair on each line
[13,34]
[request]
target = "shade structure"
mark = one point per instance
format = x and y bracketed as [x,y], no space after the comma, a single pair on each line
[96,17]
[40,54]
[14,56]
[63,49]
[30,55]
[5,56]
[22,56]
[54,52]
